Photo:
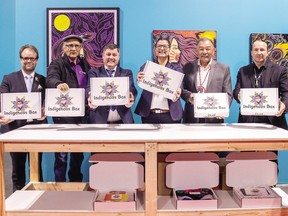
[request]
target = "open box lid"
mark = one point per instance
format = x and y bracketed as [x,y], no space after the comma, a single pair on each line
[192,170]
[115,171]
[251,169]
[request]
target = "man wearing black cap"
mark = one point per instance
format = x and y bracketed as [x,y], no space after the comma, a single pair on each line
[68,71]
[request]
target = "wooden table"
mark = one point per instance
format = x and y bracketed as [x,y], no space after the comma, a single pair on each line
[149,139]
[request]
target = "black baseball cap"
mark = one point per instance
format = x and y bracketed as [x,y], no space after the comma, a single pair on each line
[80,39]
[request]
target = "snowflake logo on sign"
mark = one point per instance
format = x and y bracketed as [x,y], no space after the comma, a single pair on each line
[258,98]
[64,100]
[210,101]
[161,78]
[109,89]
[20,104]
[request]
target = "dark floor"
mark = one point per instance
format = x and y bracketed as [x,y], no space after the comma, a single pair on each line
[7,174]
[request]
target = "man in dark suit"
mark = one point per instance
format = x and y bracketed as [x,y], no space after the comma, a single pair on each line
[18,82]
[263,73]
[111,114]
[204,76]
[68,71]
[153,108]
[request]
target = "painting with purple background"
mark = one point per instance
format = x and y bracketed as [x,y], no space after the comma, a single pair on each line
[97,27]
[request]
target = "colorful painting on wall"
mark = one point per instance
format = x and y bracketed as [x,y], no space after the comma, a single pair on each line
[183,43]
[277,45]
[97,26]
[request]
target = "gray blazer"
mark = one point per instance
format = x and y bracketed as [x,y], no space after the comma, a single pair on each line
[219,81]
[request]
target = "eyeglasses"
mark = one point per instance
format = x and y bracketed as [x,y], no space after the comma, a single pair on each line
[162,47]
[71,46]
[26,59]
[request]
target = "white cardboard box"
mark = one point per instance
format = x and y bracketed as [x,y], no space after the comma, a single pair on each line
[161,80]
[21,105]
[109,90]
[71,103]
[116,172]
[251,174]
[192,171]
[259,101]
[210,105]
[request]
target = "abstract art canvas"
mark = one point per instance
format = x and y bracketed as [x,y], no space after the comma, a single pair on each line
[277,45]
[183,43]
[97,27]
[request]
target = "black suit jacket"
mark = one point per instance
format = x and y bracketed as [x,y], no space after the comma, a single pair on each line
[144,105]
[60,71]
[15,82]
[100,114]
[273,76]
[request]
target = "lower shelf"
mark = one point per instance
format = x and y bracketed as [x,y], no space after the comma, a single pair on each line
[75,197]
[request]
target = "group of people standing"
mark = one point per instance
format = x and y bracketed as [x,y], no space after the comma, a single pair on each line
[203,75]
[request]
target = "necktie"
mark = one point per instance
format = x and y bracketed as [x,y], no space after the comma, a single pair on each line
[110,74]
[29,81]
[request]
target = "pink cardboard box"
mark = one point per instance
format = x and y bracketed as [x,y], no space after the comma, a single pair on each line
[192,171]
[251,174]
[119,174]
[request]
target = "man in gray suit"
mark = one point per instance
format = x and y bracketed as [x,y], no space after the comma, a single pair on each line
[204,75]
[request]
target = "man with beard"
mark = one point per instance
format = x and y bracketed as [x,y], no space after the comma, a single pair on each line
[21,81]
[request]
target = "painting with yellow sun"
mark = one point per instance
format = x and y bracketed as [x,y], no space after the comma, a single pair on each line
[183,43]
[97,26]
[277,46]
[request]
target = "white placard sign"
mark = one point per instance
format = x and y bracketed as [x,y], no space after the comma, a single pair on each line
[107,91]
[161,80]
[70,103]
[259,101]
[21,105]
[210,105]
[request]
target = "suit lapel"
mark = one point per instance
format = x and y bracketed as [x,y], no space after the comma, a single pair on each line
[252,75]
[211,75]
[266,76]
[193,76]
[117,72]
[36,83]
[103,72]
[22,84]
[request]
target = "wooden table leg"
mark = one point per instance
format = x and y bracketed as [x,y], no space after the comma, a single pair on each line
[34,167]
[2,181]
[151,179]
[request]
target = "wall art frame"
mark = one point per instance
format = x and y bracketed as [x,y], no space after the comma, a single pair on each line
[97,27]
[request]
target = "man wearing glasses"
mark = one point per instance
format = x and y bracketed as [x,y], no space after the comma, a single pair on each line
[25,80]
[155,109]
[68,71]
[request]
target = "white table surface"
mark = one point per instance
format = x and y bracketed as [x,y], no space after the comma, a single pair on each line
[145,132]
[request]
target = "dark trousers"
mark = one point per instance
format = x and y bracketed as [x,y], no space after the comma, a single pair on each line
[159,118]
[18,169]
[60,167]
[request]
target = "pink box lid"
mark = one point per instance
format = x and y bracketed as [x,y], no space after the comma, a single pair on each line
[192,170]
[134,157]
[251,169]
[116,174]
